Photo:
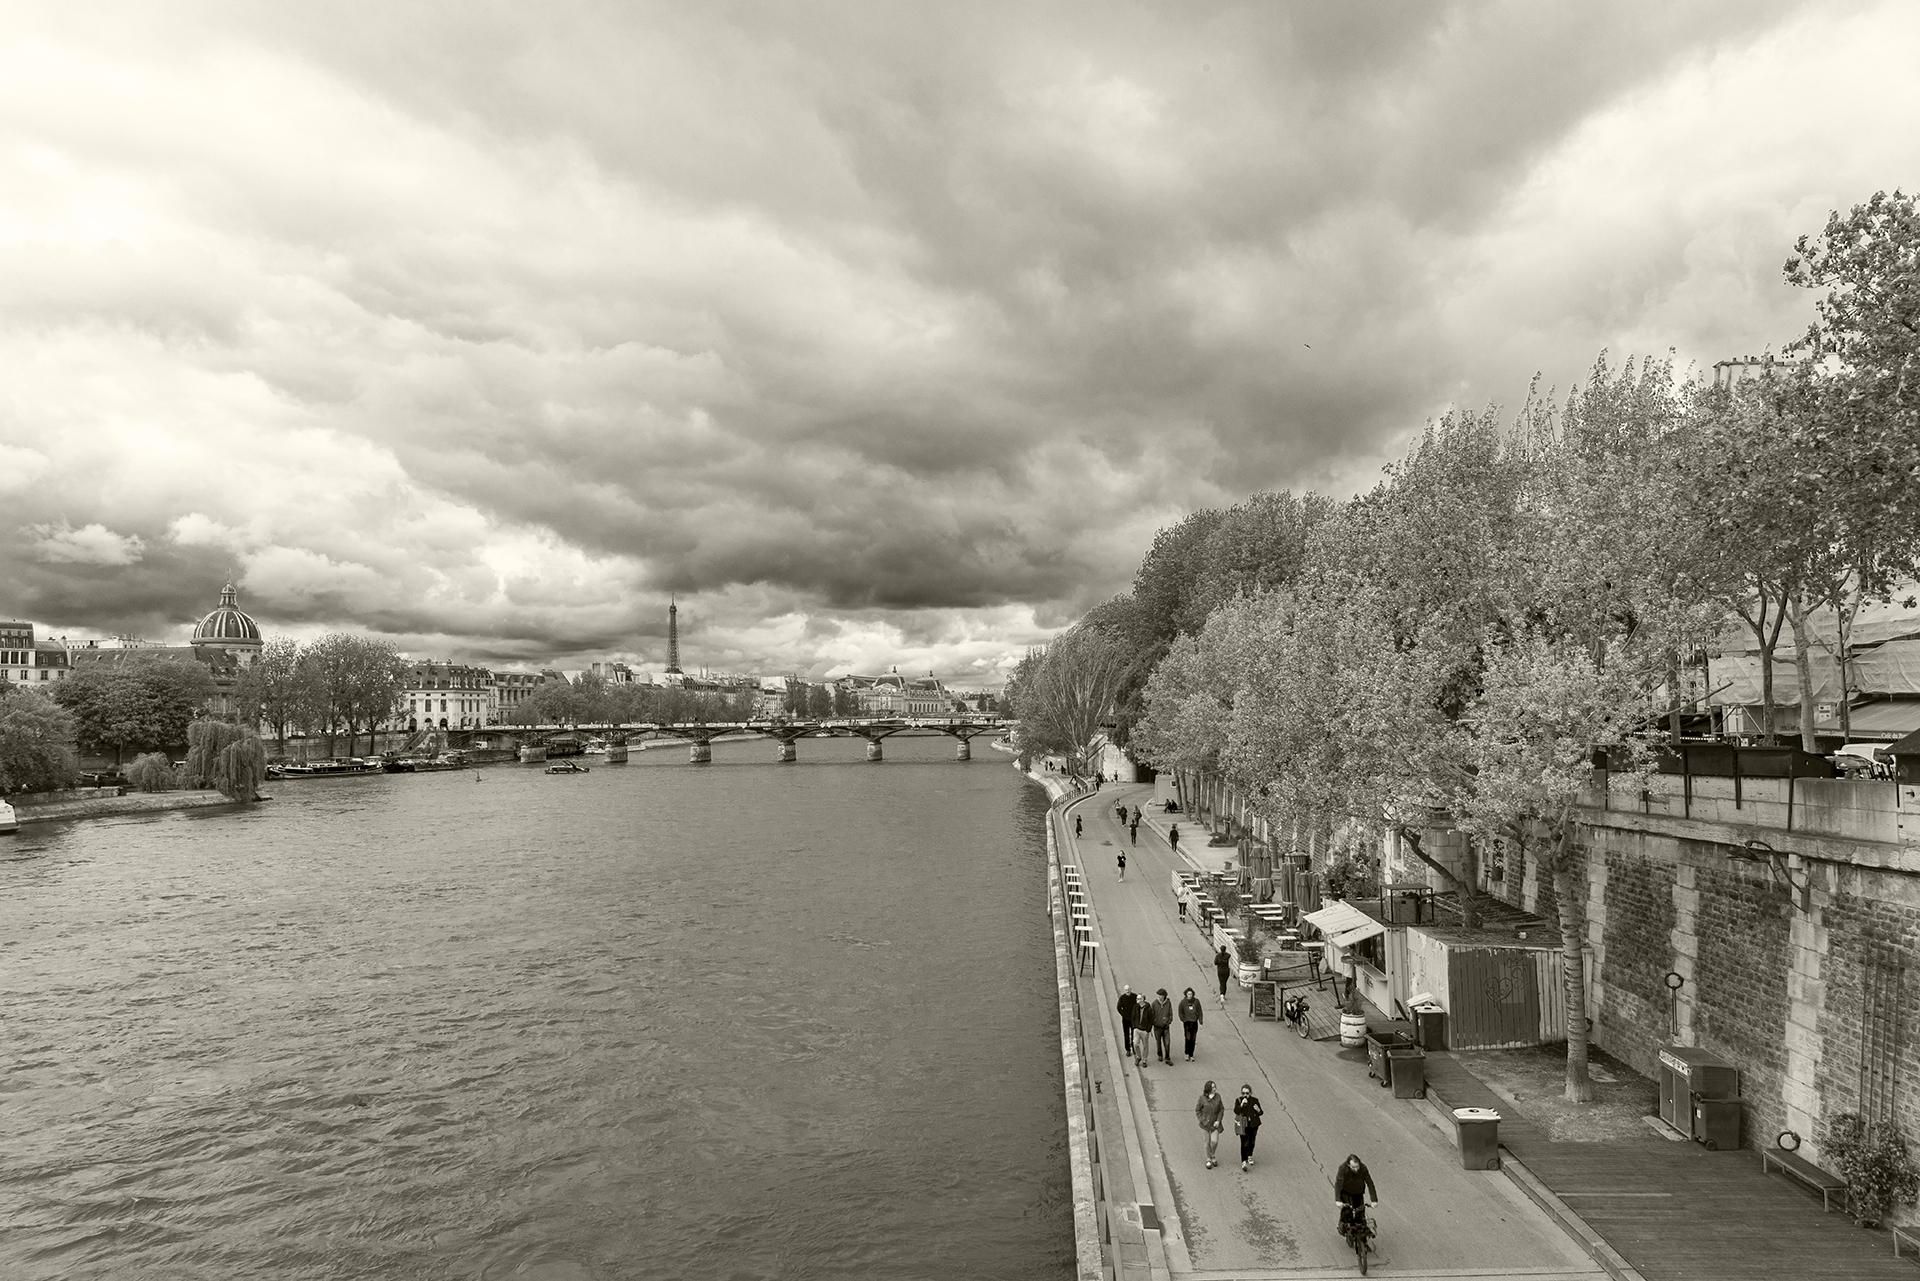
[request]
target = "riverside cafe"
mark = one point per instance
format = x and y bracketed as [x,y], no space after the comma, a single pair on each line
[1499,985]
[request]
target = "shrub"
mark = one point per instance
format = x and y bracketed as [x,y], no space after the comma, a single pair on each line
[1874,1161]
[151,772]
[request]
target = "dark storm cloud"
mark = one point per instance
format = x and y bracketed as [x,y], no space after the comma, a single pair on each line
[867,329]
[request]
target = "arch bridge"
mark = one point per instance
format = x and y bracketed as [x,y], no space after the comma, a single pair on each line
[787,733]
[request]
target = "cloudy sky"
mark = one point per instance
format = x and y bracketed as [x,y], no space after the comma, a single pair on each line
[880,333]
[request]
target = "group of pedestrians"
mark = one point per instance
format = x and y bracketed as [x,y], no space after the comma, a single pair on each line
[1148,1021]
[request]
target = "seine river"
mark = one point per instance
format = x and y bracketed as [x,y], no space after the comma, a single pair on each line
[736,1021]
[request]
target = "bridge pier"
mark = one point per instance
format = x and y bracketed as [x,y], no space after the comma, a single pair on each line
[788,752]
[873,749]
[962,751]
[699,754]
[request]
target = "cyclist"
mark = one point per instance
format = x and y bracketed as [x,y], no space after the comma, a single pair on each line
[1352,1185]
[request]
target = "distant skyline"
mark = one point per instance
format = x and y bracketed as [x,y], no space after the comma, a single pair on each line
[876,334]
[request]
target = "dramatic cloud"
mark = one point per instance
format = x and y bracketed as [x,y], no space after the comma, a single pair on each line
[877,334]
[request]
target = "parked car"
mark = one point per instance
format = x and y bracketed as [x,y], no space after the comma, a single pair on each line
[1864,760]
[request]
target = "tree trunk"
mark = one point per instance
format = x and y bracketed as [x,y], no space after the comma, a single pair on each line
[1469,901]
[1803,667]
[1673,686]
[1570,893]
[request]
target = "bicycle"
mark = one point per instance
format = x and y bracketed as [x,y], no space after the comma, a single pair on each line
[1358,1232]
[1295,1011]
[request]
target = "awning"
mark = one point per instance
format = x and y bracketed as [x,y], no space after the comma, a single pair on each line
[1883,721]
[1344,924]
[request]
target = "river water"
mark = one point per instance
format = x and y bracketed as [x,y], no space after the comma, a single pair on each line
[735,1021]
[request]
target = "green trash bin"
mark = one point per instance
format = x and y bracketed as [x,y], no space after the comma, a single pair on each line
[1407,1069]
[1479,1137]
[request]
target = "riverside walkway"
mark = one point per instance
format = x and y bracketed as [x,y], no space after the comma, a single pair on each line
[1646,1210]
[1176,1218]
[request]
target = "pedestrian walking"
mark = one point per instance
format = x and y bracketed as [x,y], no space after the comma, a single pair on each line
[1163,1027]
[1133,832]
[1212,1111]
[1173,837]
[1142,1031]
[1191,1016]
[1246,1123]
[1123,865]
[1136,816]
[1076,826]
[1129,1008]
[1223,966]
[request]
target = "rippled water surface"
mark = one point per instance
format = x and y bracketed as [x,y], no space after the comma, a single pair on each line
[744,1020]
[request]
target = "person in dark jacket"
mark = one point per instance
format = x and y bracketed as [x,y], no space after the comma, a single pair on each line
[1173,837]
[1163,1027]
[1223,965]
[1191,1016]
[1246,1123]
[1142,1032]
[1211,1110]
[1129,1008]
[1353,1182]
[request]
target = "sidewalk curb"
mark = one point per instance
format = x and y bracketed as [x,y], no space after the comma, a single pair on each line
[1559,1211]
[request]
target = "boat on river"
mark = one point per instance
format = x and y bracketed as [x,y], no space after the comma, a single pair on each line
[325,769]
[568,767]
[9,821]
[425,764]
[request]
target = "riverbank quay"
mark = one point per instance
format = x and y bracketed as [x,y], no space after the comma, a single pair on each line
[109,806]
[1651,1206]
[1159,1211]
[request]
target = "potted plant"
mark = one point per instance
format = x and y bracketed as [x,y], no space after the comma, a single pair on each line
[1874,1161]
[1249,947]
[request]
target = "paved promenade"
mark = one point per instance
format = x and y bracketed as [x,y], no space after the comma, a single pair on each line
[1638,1210]
[1276,1220]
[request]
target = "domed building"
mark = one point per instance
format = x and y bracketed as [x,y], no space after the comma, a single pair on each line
[229,628]
[226,641]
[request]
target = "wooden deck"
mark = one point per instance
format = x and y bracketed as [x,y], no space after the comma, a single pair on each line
[1677,1212]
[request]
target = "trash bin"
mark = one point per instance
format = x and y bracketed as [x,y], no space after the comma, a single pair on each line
[1478,1131]
[1430,1027]
[1407,1069]
[1716,1123]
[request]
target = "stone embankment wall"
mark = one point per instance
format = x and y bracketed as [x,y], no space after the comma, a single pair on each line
[102,801]
[1797,960]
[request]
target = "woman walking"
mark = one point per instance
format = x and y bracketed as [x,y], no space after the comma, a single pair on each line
[1246,1123]
[1191,1015]
[1223,965]
[1212,1111]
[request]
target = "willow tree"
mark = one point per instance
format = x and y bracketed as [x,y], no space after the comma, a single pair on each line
[226,757]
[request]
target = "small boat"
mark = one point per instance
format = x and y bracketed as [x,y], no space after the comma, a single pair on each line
[9,821]
[568,767]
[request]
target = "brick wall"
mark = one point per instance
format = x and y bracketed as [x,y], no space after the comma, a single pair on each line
[1637,1013]
[1859,925]
[1740,987]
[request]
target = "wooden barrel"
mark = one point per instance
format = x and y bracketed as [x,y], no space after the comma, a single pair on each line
[1353,1029]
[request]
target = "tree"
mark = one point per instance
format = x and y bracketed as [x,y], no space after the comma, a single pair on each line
[1064,695]
[346,682]
[36,744]
[273,685]
[134,700]
[226,757]
[152,771]
[1857,424]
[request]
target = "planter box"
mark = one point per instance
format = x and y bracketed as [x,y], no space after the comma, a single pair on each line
[1246,973]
